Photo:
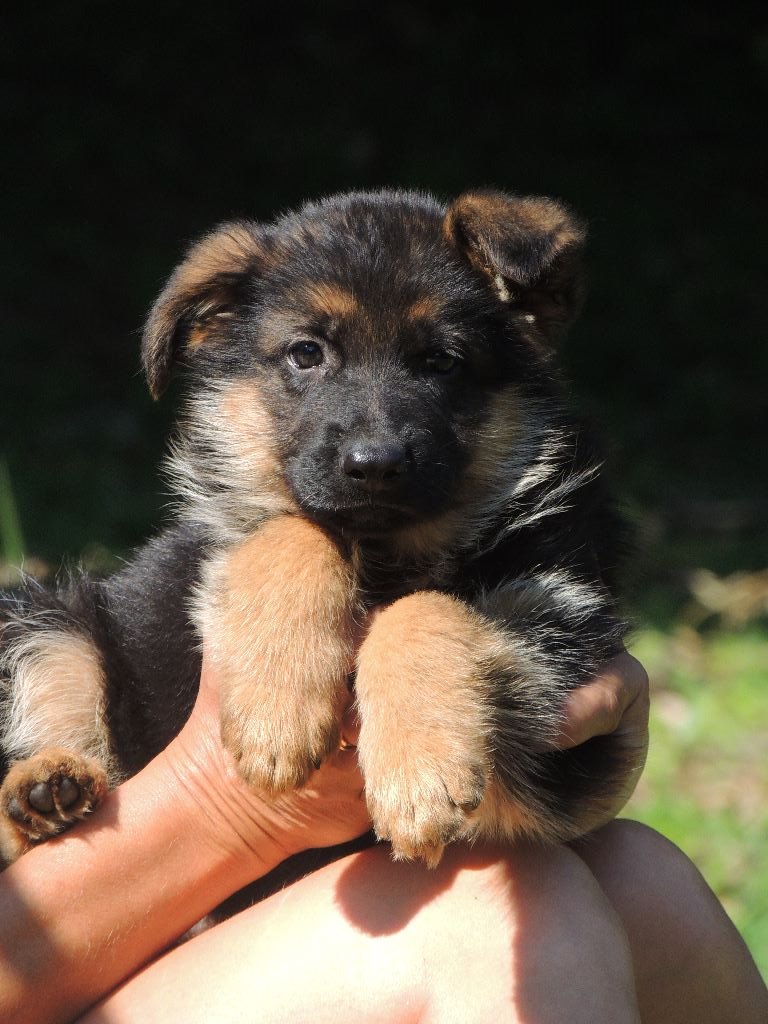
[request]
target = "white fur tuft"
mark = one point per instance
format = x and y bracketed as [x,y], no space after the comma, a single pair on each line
[56,696]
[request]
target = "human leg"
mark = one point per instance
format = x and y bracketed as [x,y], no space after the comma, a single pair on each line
[505,935]
[691,965]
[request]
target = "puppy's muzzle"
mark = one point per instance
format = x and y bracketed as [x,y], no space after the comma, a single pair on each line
[376,465]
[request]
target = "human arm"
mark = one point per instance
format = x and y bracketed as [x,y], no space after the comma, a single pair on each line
[80,913]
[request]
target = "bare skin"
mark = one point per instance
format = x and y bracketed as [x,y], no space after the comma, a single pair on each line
[519,934]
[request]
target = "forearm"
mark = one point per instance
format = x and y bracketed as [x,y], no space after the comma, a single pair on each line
[79,914]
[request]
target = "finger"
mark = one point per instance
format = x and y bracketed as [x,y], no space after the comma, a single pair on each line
[345,755]
[599,707]
[350,727]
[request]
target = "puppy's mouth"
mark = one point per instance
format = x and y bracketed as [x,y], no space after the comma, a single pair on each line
[364,520]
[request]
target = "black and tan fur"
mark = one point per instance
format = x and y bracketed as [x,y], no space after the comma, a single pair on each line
[378,473]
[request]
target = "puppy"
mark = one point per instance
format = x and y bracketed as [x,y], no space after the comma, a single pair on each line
[378,473]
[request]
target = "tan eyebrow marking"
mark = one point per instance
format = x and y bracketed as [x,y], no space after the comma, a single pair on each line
[330,298]
[426,307]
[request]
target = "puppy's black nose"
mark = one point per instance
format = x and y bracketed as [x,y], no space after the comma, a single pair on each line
[376,466]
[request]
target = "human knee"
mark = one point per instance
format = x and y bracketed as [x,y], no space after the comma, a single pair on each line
[687,953]
[636,855]
[568,954]
[509,883]
[660,895]
[529,893]
[511,925]
[557,898]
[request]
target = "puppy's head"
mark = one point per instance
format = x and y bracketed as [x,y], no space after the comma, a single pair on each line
[351,361]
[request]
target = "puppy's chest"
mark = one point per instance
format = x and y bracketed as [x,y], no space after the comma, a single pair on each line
[383,577]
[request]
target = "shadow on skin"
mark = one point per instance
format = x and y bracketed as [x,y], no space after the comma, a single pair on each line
[381,896]
[522,926]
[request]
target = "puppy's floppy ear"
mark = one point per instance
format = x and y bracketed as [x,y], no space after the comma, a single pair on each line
[529,248]
[198,296]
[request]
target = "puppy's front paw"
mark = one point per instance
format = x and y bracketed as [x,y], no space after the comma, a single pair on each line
[423,692]
[45,795]
[423,803]
[279,623]
[278,744]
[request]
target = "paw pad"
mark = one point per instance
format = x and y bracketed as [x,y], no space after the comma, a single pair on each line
[46,794]
[41,796]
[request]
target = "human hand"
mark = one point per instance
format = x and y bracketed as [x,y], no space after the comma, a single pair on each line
[615,701]
[329,809]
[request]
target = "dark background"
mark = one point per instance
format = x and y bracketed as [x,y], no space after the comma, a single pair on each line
[128,131]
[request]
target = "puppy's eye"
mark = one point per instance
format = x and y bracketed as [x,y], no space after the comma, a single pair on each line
[305,354]
[440,361]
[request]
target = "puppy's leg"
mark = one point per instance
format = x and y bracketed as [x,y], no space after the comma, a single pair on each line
[278,616]
[558,628]
[52,724]
[460,707]
[423,688]
[46,794]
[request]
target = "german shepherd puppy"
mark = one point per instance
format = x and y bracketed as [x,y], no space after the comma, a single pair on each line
[377,473]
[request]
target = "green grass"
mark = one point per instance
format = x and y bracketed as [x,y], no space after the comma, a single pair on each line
[706,783]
